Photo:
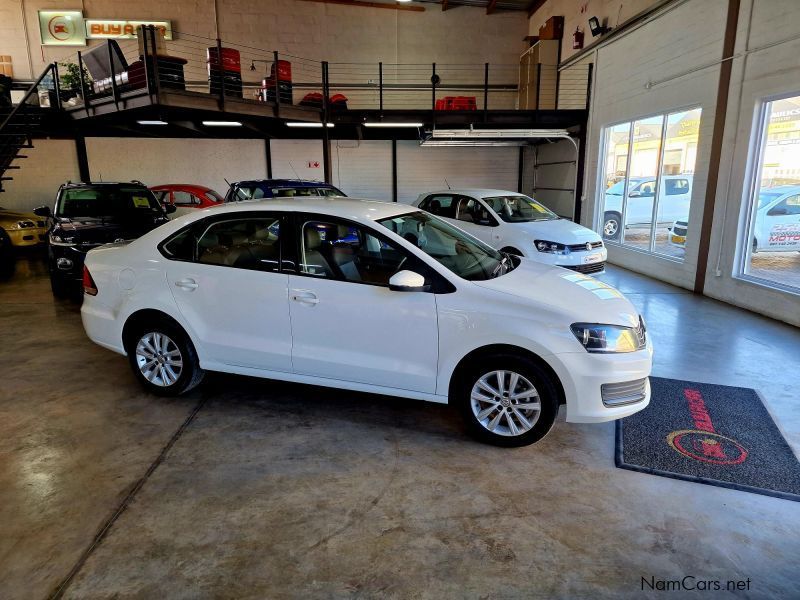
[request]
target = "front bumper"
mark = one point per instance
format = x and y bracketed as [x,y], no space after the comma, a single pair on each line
[583,375]
[588,262]
[29,236]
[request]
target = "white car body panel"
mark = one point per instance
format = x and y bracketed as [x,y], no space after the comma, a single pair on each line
[639,209]
[363,337]
[521,236]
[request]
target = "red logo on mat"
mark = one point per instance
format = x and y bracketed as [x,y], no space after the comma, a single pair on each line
[703,443]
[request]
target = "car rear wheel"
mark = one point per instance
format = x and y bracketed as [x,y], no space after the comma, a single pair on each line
[163,359]
[507,401]
[611,225]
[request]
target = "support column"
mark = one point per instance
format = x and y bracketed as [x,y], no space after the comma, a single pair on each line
[268,157]
[83,159]
[394,170]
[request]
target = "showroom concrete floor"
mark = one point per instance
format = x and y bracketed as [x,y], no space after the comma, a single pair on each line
[250,488]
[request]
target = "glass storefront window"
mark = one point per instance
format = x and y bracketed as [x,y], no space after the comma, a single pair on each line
[647,178]
[771,237]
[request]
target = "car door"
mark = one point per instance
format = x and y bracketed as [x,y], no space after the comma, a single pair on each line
[346,322]
[780,230]
[226,279]
[639,208]
[674,199]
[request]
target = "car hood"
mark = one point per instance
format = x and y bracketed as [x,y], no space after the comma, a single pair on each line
[585,299]
[562,231]
[103,231]
[13,215]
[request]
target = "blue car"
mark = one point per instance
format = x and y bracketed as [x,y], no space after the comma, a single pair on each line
[259,189]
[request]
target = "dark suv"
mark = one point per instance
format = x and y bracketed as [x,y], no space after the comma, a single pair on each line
[264,189]
[88,215]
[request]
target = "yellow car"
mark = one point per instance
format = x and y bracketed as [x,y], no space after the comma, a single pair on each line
[21,229]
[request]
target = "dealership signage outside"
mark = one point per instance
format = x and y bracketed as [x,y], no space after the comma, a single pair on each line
[69,28]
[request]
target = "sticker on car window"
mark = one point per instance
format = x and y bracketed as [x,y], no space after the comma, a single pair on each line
[141,202]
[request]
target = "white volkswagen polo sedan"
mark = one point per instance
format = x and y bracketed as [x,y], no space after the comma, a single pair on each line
[373,297]
[514,223]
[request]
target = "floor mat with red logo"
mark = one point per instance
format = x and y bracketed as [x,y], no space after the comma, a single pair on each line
[713,434]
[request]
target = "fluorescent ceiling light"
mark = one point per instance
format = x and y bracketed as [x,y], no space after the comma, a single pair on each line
[306,124]
[469,134]
[389,124]
[222,123]
[473,143]
[152,122]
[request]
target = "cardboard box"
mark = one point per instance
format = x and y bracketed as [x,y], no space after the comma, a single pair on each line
[553,29]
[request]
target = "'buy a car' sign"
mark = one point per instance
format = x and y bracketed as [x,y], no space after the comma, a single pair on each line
[69,28]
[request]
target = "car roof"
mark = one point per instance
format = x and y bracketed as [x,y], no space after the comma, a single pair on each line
[288,182]
[363,209]
[79,184]
[181,186]
[781,189]
[476,192]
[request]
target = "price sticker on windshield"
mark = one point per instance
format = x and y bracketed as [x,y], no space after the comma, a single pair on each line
[141,202]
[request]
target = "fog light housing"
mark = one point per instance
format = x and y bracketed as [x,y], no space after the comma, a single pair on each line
[64,264]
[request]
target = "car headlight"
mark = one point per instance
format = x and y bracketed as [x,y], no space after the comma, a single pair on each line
[550,247]
[610,338]
[58,240]
[25,224]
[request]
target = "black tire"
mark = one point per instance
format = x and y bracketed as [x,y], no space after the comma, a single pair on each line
[190,374]
[540,378]
[612,226]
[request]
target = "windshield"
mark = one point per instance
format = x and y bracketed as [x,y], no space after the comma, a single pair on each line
[765,198]
[107,201]
[520,209]
[256,192]
[464,255]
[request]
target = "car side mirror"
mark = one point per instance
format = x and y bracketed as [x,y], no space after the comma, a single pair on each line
[407,281]
[778,211]
[169,208]
[488,222]
[43,211]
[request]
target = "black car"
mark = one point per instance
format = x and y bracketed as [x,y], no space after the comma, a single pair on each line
[88,215]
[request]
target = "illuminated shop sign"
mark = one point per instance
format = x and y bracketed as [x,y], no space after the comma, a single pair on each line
[69,28]
[122,30]
[62,28]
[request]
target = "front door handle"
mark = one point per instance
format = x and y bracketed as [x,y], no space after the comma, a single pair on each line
[304,297]
[187,284]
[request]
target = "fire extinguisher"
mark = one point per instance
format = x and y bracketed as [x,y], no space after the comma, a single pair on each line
[577,39]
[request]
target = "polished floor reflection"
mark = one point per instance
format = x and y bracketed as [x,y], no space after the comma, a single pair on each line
[280,490]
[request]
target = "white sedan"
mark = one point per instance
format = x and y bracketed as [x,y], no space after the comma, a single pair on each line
[517,224]
[372,297]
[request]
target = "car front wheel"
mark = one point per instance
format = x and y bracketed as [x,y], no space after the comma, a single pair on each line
[163,359]
[611,225]
[507,401]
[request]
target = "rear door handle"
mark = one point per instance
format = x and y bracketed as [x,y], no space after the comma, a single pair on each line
[304,297]
[187,284]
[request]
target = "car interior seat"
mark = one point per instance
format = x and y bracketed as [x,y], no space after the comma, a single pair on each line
[314,263]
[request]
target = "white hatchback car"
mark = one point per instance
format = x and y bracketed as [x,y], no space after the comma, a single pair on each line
[517,224]
[373,297]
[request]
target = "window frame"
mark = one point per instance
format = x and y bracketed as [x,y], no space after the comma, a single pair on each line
[438,283]
[754,165]
[600,189]
[198,228]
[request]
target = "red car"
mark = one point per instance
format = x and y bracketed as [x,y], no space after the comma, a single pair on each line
[186,197]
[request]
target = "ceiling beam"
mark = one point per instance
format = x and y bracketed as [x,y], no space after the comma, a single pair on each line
[534,6]
[359,4]
[491,6]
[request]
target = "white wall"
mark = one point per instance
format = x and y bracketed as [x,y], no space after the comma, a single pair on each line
[423,169]
[49,164]
[623,69]
[297,159]
[363,169]
[763,73]
[159,161]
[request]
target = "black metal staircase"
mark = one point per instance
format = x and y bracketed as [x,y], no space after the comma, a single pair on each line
[20,124]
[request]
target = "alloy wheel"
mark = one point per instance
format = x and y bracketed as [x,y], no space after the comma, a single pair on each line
[505,403]
[159,359]
[610,228]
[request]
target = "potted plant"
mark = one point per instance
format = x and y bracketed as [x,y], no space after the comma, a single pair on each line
[71,81]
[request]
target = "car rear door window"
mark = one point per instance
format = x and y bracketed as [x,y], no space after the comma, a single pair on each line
[676,187]
[244,243]
[441,205]
[184,198]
